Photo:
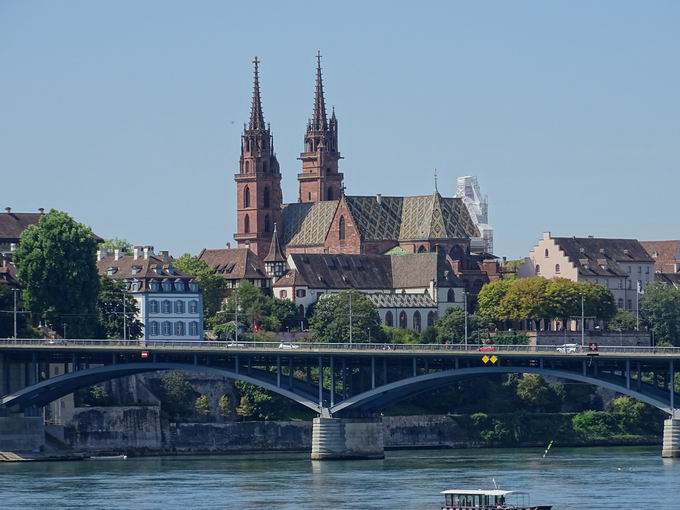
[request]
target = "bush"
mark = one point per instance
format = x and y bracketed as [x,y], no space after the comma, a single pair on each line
[400,336]
[592,425]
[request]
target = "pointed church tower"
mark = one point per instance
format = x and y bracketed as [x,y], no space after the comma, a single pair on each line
[320,178]
[258,183]
[275,262]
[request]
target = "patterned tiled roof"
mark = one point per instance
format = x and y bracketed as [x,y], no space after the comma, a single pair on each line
[381,218]
[381,300]
[666,254]
[234,263]
[307,224]
[595,256]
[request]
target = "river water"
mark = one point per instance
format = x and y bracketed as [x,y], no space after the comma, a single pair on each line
[588,478]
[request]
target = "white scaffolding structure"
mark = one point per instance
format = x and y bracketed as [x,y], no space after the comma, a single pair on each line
[467,188]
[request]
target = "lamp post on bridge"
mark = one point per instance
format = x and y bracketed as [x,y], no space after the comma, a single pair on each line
[15,291]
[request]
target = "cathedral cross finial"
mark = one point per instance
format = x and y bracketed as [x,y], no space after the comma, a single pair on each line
[435,181]
[256,116]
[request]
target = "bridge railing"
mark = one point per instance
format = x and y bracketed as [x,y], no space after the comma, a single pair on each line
[291,347]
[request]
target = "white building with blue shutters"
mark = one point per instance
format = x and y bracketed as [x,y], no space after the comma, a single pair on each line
[170,303]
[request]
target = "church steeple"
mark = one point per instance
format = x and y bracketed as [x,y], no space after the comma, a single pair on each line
[275,262]
[258,182]
[320,178]
[256,115]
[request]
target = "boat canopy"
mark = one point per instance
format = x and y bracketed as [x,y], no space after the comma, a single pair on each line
[481,492]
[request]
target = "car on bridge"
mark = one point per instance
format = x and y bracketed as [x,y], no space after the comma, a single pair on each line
[288,345]
[486,348]
[568,348]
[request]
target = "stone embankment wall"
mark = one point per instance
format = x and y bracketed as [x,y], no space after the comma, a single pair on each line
[141,428]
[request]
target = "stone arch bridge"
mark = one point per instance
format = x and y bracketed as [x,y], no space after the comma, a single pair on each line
[346,385]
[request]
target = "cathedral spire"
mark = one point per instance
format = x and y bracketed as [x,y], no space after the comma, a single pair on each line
[319,122]
[256,115]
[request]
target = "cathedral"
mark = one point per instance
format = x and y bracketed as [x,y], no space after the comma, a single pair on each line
[412,255]
[324,219]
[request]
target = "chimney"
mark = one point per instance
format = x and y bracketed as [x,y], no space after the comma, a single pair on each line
[165,255]
[135,252]
[228,246]
[378,198]
[8,210]
[41,210]
[116,254]
[99,255]
[146,253]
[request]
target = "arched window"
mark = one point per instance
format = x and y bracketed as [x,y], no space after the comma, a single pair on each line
[154,328]
[416,321]
[153,308]
[265,198]
[451,296]
[264,167]
[329,194]
[267,223]
[193,328]
[179,306]
[389,319]
[247,162]
[341,228]
[246,224]
[547,253]
[166,306]
[422,249]
[538,269]
[403,320]
[246,197]
[430,319]
[301,311]
[179,328]
[167,328]
[557,268]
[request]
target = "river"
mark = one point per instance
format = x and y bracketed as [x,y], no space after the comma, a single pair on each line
[569,478]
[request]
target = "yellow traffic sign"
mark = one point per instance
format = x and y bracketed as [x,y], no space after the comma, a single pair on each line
[485,359]
[493,359]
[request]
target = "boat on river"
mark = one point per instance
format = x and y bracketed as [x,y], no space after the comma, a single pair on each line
[109,457]
[494,499]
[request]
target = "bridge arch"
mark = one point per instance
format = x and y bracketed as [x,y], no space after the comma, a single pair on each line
[46,391]
[398,390]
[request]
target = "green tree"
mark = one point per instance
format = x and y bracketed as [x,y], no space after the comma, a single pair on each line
[202,405]
[564,299]
[112,312]
[56,262]
[535,393]
[451,327]
[330,322]
[526,300]
[253,306]
[211,284]
[397,335]
[245,409]
[623,321]
[224,406]
[660,309]
[490,298]
[635,417]
[591,425]
[177,394]
[285,313]
[115,244]
[599,302]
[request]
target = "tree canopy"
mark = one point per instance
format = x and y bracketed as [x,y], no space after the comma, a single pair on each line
[111,311]
[330,322]
[56,263]
[660,309]
[211,284]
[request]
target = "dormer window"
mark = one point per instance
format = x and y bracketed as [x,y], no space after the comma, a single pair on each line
[110,271]
[157,269]
[179,286]
[193,287]
[136,269]
[167,286]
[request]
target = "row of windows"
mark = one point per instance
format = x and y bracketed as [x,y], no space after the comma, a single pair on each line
[266,197]
[167,328]
[177,286]
[283,294]
[403,319]
[167,306]
[267,224]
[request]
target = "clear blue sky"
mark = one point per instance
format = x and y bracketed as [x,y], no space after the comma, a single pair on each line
[128,114]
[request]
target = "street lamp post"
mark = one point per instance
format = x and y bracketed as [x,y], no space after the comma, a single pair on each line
[465,305]
[369,334]
[15,291]
[583,324]
[124,317]
[350,317]
[64,331]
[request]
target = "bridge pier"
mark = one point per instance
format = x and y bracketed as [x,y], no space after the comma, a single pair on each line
[671,438]
[347,438]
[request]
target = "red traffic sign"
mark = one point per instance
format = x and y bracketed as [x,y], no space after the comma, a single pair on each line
[145,354]
[592,347]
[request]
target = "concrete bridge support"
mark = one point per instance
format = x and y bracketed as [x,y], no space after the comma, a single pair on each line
[671,438]
[347,438]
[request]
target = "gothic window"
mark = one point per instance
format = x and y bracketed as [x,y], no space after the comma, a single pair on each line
[341,229]
[247,166]
[329,194]
[538,269]
[430,319]
[422,249]
[557,268]
[267,223]
[451,296]
[547,253]
[403,320]
[416,321]
[246,197]
[389,320]
[265,198]
[246,224]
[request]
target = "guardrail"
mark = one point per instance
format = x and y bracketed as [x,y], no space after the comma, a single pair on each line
[328,347]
